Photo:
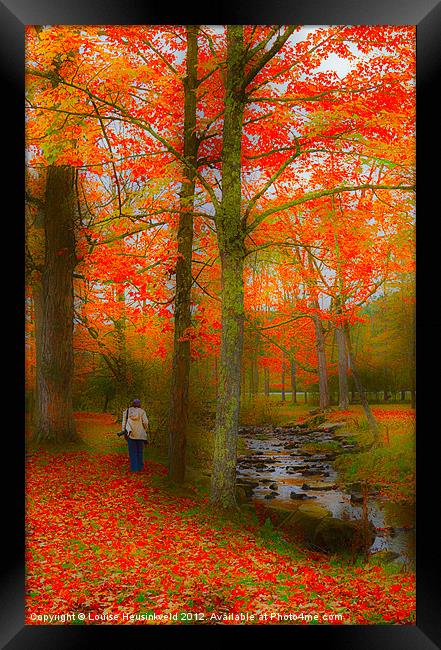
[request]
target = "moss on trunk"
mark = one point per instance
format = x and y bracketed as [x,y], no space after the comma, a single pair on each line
[231,234]
[178,417]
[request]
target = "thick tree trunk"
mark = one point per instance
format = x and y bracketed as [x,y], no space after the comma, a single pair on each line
[55,420]
[343,388]
[38,296]
[359,386]
[321,360]
[178,417]
[228,401]
[230,233]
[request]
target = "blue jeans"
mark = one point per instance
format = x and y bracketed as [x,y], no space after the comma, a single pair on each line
[135,454]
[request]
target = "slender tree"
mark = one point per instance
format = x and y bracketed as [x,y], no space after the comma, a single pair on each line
[178,418]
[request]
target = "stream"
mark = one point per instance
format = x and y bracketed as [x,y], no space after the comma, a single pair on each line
[279,471]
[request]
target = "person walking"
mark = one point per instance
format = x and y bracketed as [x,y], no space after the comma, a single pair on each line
[135,422]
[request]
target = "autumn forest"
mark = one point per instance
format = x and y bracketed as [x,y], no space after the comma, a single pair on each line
[220,223]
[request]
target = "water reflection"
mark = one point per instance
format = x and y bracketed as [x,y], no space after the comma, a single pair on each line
[279,471]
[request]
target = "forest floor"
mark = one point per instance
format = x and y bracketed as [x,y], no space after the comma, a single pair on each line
[109,547]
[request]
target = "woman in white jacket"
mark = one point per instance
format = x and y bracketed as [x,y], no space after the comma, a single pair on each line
[135,422]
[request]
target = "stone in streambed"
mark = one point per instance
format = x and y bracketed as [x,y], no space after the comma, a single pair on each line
[330,426]
[340,535]
[318,485]
[315,525]
[306,519]
[385,556]
[301,496]
[242,494]
[314,472]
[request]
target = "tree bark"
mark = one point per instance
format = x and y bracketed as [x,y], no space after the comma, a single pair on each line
[178,416]
[55,422]
[231,234]
[343,388]
[38,298]
[228,401]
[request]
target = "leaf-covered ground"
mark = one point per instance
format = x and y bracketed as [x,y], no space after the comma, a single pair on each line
[102,542]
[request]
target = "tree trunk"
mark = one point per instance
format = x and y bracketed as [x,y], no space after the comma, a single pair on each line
[231,234]
[266,377]
[55,422]
[283,377]
[38,296]
[412,365]
[178,417]
[122,387]
[293,382]
[321,358]
[255,363]
[228,401]
[367,409]
[343,389]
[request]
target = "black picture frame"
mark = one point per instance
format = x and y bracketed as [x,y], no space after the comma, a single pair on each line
[426,15]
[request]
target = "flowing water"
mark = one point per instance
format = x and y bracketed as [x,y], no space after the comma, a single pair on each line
[278,471]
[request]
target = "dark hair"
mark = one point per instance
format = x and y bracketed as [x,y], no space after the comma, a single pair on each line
[136,402]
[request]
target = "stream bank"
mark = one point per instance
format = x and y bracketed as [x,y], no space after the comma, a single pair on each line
[289,469]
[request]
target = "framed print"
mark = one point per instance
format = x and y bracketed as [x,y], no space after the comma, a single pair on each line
[221,334]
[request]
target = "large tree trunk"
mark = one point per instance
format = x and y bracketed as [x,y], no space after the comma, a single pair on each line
[38,305]
[55,420]
[38,297]
[343,388]
[178,417]
[228,400]
[321,360]
[230,233]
